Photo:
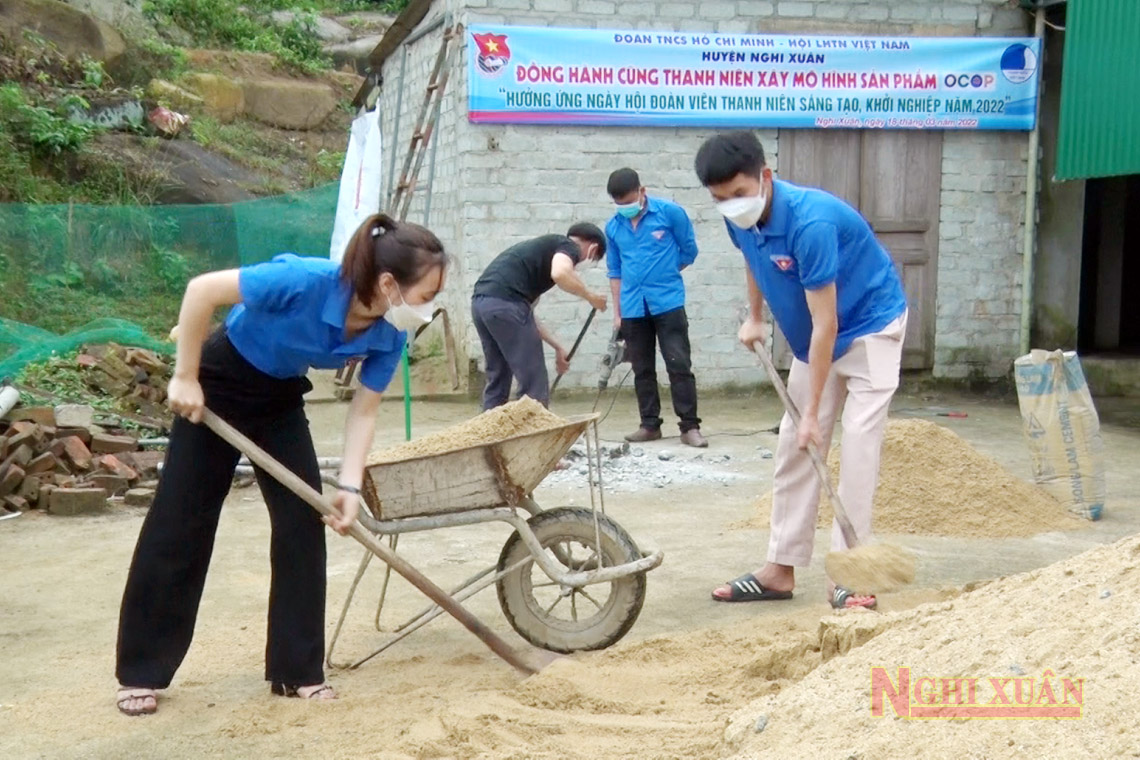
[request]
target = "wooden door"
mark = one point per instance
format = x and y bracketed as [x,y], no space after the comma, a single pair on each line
[894,179]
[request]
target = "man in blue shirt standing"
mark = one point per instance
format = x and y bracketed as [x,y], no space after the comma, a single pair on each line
[648,242]
[833,290]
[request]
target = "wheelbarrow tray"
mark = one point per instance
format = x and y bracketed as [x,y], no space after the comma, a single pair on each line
[491,474]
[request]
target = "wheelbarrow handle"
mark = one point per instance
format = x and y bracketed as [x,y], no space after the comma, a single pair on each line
[290,480]
[845,525]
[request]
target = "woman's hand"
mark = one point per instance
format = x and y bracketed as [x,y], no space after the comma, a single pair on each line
[348,505]
[184,395]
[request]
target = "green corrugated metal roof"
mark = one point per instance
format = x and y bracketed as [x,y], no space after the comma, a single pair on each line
[1100,90]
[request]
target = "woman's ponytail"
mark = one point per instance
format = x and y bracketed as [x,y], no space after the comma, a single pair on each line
[381,244]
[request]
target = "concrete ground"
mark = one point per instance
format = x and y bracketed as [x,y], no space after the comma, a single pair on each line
[64,576]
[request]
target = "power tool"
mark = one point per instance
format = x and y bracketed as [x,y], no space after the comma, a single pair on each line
[615,355]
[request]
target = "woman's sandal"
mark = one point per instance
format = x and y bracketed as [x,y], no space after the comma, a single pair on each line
[127,695]
[846,599]
[324,691]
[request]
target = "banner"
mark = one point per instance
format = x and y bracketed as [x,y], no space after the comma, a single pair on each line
[525,75]
[359,196]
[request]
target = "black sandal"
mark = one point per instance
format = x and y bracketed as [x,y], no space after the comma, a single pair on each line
[129,694]
[747,589]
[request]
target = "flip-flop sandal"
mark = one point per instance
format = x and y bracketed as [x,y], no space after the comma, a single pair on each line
[283,690]
[844,599]
[747,589]
[126,695]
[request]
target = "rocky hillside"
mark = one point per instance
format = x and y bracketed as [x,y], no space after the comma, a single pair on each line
[178,101]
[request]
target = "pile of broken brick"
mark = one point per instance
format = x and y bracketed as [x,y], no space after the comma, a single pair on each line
[135,376]
[56,459]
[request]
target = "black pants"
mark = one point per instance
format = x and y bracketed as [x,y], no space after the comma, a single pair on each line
[168,572]
[512,347]
[671,331]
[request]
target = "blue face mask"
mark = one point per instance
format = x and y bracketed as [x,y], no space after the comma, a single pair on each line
[629,210]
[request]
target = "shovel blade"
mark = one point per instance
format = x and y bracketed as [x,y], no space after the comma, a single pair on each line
[871,569]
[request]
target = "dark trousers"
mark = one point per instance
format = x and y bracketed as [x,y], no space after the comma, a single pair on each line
[671,331]
[512,347]
[168,572]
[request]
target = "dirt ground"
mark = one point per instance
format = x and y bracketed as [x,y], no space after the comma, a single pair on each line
[665,691]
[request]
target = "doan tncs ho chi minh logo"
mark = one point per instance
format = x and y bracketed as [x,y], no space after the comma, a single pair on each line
[493,53]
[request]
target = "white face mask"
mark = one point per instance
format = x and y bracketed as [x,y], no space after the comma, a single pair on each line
[404,316]
[744,212]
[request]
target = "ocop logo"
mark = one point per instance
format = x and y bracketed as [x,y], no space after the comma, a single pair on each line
[970,81]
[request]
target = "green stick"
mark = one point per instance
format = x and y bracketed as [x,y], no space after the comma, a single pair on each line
[407,397]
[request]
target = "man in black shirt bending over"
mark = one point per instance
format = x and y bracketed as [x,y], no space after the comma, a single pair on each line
[502,308]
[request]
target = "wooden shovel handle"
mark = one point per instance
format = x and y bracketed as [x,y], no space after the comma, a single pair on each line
[291,481]
[845,525]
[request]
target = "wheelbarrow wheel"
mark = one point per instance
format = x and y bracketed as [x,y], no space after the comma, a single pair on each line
[564,619]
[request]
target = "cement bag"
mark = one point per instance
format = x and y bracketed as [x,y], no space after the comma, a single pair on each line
[1063,430]
[359,181]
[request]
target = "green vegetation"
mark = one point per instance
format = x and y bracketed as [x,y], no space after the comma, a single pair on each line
[64,263]
[46,158]
[63,379]
[258,148]
[47,288]
[247,26]
[229,24]
[150,58]
[47,131]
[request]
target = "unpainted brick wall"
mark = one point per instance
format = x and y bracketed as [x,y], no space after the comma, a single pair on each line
[496,185]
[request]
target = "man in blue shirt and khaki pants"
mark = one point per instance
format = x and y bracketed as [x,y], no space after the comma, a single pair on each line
[833,290]
[648,242]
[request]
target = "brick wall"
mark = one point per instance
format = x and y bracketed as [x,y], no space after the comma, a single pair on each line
[496,185]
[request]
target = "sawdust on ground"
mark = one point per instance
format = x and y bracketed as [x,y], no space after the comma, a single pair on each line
[1072,620]
[520,417]
[933,483]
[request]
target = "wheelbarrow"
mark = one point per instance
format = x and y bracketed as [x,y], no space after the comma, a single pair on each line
[557,561]
[568,579]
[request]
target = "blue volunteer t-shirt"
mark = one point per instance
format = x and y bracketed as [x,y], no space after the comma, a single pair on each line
[292,318]
[648,260]
[811,240]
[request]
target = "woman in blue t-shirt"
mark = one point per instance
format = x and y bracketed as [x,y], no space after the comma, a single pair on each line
[288,315]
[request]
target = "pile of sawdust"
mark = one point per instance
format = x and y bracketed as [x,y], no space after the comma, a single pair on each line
[516,418]
[933,483]
[1072,620]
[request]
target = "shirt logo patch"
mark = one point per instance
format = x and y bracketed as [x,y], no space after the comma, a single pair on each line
[658,234]
[783,263]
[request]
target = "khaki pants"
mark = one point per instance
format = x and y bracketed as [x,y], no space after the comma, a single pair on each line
[861,383]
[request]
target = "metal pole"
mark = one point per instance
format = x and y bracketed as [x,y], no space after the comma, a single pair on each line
[430,177]
[1029,244]
[430,27]
[445,21]
[396,125]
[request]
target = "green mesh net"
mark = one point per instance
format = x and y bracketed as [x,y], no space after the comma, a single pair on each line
[76,274]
